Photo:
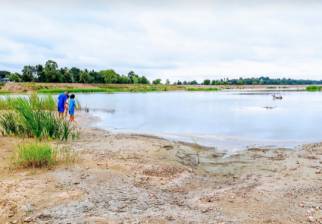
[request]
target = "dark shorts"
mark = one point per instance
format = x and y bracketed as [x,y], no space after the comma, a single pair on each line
[61,109]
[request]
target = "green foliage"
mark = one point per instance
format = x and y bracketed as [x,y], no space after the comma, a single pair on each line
[14,77]
[35,155]
[36,102]
[201,89]
[314,88]
[10,124]
[206,82]
[157,82]
[32,117]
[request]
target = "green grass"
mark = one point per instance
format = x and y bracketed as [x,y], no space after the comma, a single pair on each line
[34,155]
[28,118]
[313,88]
[114,88]
[42,154]
[36,102]
[202,89]
[75,90]
[4,92]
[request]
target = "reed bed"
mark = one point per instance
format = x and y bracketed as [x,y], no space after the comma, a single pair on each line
[33,117]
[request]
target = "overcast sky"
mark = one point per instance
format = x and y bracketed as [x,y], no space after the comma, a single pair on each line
[176,39]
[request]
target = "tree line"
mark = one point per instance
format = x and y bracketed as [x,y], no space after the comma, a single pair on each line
[50,72]
[261,81]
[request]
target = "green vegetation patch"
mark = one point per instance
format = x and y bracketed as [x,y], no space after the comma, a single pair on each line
[36,102]
[75,90]
[42,154]
[313,88]
[202,89]
[30,118]
[110,88]
[34,155]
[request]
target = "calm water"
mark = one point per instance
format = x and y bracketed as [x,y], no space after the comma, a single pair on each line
[227,120]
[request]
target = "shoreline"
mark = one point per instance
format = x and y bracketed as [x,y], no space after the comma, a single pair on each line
[54,88]
[222,147]
[123,178]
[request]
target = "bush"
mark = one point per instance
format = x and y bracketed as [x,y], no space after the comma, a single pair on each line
[314,88]
[28,119]
[35,155]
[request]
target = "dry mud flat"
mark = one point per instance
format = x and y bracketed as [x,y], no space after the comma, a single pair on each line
[123,178]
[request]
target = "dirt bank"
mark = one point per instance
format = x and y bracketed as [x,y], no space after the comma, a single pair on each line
[122,178]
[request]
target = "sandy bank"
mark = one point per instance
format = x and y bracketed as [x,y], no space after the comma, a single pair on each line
[122,178]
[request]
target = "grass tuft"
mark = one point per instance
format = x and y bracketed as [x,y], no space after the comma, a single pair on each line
[34,155]
[39,155]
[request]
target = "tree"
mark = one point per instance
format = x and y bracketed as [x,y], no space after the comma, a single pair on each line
[51,72]
[40,74]
[4,74]
[144,80]
[27,73]
[206,82]
[134,78]
[109,76]
[157,81]
[167,82]
[74,74]
[123,79]
[85,77]
[15,77]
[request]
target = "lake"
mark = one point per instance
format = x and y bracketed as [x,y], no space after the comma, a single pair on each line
[228,120]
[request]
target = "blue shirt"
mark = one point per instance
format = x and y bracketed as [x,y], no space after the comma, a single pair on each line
[71,106]
[61,102]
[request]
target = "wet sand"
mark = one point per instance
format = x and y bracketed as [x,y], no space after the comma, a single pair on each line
[127,178]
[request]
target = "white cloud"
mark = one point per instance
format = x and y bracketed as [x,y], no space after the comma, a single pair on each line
[175,39]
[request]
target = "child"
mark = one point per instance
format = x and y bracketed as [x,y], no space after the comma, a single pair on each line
[71,107]
[66,106]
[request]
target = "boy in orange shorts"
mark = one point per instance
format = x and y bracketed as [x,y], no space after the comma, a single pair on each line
[71,107]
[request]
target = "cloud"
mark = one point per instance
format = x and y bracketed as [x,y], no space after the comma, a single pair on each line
[175,39]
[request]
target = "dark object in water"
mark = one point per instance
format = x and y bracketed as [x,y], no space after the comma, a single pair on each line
[277,97]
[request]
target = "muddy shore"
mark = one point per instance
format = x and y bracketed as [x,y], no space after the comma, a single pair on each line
[127,178]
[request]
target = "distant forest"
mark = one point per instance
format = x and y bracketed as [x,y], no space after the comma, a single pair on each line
[50,72]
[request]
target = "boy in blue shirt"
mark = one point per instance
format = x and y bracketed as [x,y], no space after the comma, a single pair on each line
[61,103]
[71,107]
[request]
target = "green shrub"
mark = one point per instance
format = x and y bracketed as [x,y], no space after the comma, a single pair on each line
[35,155]
[29,120]
[314,88]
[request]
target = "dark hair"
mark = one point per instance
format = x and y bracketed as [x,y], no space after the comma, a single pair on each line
[72,96]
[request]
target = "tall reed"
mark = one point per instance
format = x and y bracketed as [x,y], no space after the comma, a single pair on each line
[33,117]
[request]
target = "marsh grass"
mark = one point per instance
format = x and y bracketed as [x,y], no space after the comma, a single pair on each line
[33,118]
[42,154]
[34,155]
[36,102]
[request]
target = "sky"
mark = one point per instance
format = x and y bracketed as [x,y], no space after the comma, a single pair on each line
[186,40]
